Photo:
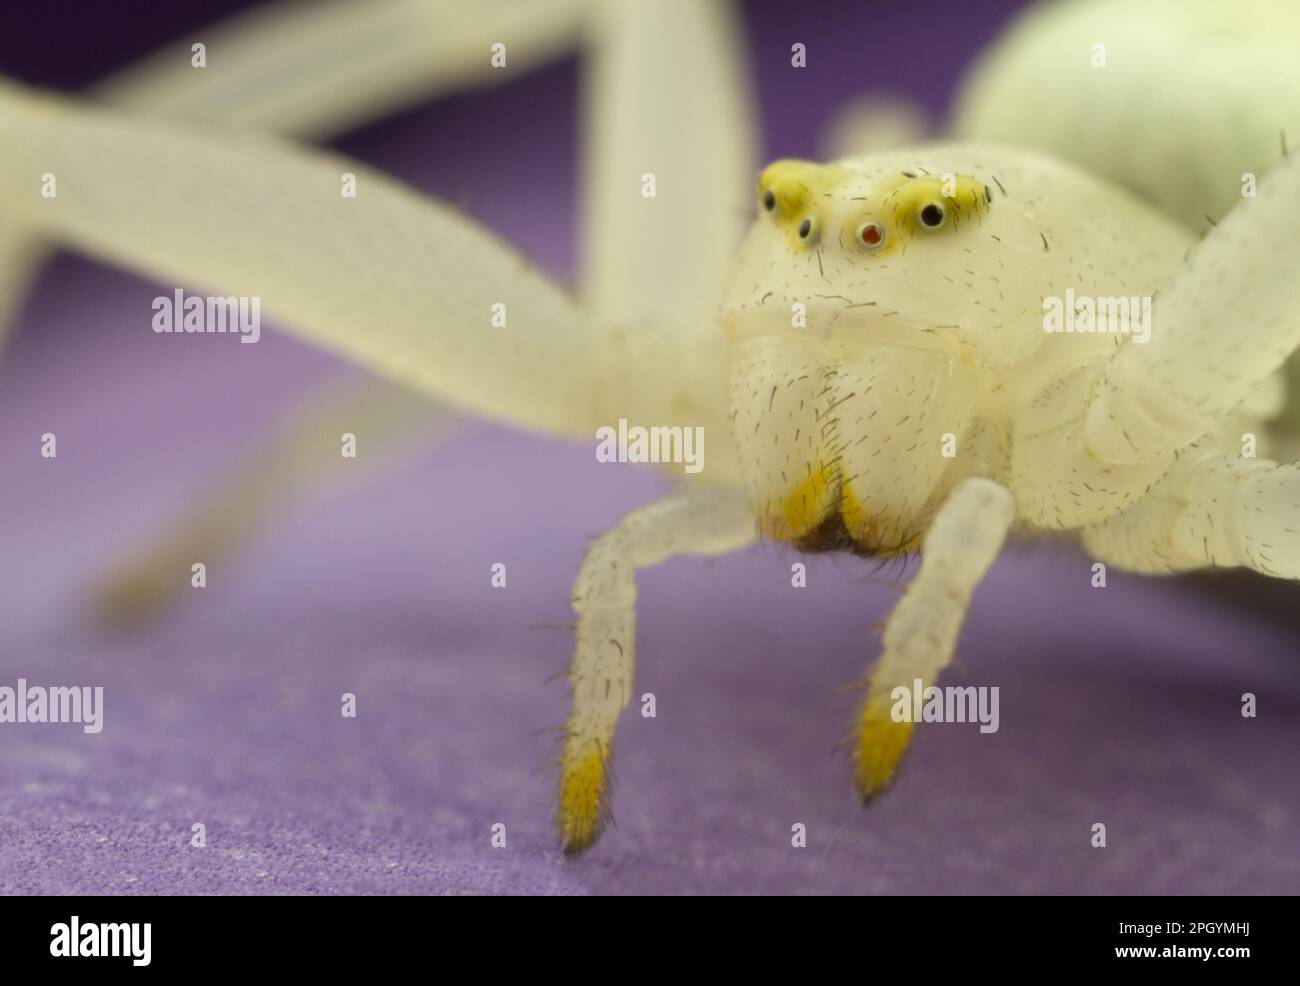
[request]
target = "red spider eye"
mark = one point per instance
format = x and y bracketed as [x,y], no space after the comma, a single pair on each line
[871,234]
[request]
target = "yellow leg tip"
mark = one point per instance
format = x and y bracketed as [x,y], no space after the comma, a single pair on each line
[133,597]
[582,799]
[881,743]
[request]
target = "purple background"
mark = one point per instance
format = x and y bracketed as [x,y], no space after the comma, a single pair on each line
[1119,706]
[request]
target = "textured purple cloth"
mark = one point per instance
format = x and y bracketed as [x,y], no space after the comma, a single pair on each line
[1119,706]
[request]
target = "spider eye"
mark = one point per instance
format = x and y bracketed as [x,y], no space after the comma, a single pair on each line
[769,200]
[932,216]
[805,229]
[871,235]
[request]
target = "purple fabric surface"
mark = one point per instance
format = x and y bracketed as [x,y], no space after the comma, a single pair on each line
[1119,706]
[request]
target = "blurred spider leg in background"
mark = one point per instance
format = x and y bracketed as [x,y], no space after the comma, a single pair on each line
[704,521]
[393,280]
[316,69]
[351,62]
[301,452]
[874,121]
[921,633]
[313,70]
[697,228]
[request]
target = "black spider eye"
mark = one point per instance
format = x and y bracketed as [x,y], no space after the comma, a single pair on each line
[805,228]
[769,200]
[932,216]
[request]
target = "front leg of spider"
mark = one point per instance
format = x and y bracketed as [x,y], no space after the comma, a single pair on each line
[702,522]
[961,544]
[1227,321]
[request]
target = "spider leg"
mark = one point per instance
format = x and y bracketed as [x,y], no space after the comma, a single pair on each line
[313,70]
[320,103]
[961,544]
[1211,509]
[391,279]
[20,259]
[686,120]
[875,121]
[301,451]
[691,126]
[658,259]
[1227,321]
[704,521]
[350,62]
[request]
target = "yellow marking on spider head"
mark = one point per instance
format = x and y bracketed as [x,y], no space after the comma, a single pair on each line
[905,197]
[801,197]
[582,797]
[880,745]
[794,190]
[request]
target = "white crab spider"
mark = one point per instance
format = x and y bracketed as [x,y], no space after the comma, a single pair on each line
[933,328]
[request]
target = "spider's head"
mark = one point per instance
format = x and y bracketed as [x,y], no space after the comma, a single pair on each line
[864,314]
[885,325]
[840,250]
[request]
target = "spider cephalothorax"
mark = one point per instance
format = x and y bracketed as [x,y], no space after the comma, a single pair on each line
[886,321]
